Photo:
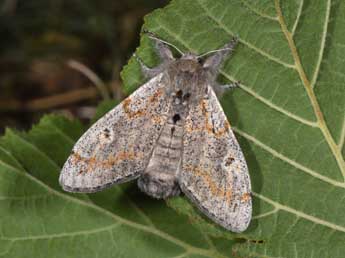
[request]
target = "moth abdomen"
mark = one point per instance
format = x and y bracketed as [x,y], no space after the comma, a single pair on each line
[159,185]
[159,178]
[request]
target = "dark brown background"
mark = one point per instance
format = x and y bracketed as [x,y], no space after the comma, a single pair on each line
[39,38]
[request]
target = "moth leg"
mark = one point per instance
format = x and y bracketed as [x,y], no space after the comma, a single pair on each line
[214,61]
[229,86]
[147,71]
[221,89]
[164,54]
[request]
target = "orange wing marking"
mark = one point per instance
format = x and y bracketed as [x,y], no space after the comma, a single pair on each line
[208,126]
[213,186]
[92,162]
[128,111]
[246,197]
[134,114]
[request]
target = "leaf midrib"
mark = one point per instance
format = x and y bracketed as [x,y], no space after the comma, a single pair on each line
[260,51]
[267,102]
[309,87]
[300,70]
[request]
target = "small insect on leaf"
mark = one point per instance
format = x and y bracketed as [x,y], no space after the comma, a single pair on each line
[172,135]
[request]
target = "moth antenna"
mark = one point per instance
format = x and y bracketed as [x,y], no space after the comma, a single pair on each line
[214,51]
[230,46]
[153,36]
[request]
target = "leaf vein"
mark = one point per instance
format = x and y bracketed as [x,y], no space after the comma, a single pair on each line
[63,134]
[23,198]
[257,12]
[299,12]
[342,136]
[288,160]
[8,249]
[269,103]
[154,231]
[245,88]
[266,214]
[300,213]
[310,92]
[260,51]
[138,210]
[62,235]
[184,254]
[11,156]
[323,44]
[34,147]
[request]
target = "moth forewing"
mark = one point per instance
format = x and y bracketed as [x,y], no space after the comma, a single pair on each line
[172,135]
[118,146]
[214,173]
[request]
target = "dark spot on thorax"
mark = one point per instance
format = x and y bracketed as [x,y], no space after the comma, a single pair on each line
[179,94]
[186,96]
[176,118]
[172,130]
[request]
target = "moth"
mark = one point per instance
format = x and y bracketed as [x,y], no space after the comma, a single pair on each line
[172,136]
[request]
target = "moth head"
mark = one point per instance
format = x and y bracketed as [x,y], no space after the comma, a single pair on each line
[188,63]
[194,62]
[189,56]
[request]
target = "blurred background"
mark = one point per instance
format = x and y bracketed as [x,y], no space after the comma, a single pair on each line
[64,56]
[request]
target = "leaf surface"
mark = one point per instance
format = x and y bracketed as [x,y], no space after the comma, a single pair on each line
[289,113]
[38,218]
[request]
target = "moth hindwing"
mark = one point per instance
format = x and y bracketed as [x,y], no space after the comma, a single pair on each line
[172,135]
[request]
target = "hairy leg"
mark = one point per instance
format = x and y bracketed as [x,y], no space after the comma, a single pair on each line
[221,89]
[163,52]
[213,63]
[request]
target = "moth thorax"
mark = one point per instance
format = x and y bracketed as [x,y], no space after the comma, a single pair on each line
[189,65]
[158,185]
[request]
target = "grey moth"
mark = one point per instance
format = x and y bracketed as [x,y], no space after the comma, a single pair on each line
[172,136]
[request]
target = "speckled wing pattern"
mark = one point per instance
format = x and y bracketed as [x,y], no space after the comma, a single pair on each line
[117,147]
[214,173]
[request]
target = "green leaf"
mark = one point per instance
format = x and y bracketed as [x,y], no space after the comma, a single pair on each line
[289,113]
[289,118]
[38,219]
